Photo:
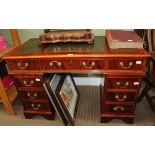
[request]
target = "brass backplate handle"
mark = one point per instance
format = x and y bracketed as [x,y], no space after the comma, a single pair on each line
[58,63]
[30,84]
[120,86]
[23,66]
[32,97]
[120,99]
[118,108]
[88,67]
[35,107]
[126,67]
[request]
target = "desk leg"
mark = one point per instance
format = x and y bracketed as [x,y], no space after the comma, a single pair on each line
[6,101]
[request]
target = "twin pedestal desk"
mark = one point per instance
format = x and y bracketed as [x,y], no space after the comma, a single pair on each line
[123,71]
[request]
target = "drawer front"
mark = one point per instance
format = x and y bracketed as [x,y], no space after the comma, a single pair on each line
[55,64]
[33,95]
[29,81]
[120,96]
[88,64]
[123,83]
[126,64]
[36,106]
[72,64]
[117,108]
[23,65]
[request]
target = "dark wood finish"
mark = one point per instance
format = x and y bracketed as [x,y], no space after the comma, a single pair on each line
[29,81]
[46,115]
[36,105]
[116,65]
[123,83]
[117,108]
[127,64]
[34,98]
[33,94]
[23,64]
[120,96]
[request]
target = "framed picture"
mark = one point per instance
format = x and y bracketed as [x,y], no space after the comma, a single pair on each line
[68,95]
[50,87]
[64,96]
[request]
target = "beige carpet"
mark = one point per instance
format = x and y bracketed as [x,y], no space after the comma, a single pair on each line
[87,115]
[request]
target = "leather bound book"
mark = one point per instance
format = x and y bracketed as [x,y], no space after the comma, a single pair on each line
[119,39]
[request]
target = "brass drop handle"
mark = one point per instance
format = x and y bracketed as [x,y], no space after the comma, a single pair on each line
[118,108]
[126,67]
[32,97]
[119,84]
[88,67]
[30,84]
[23,66]
[35,107]
[58,63]
[122,99]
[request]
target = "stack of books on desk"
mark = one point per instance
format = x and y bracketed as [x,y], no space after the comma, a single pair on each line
[120,39]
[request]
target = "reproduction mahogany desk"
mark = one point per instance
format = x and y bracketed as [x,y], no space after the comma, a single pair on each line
[123,71]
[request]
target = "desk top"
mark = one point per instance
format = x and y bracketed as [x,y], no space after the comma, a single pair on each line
[99,48]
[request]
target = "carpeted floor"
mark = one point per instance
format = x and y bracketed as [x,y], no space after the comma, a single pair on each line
[87,115]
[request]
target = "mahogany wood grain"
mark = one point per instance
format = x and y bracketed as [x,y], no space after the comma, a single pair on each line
[124,66]
[29,81]
[123,83]
[120,96]
[117,108]
[36,106]
[31,94]
[46,115]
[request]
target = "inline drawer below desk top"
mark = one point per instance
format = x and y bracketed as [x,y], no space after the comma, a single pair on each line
[75,57]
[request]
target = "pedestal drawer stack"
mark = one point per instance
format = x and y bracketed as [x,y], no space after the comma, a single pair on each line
[121,89]
[34,99]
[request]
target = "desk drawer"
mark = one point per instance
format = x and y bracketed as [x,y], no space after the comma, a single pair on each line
[33,95]
[120,96]
[123,83]
[88,64]
[36,106]
[54,64]
[117,108]
[72,64]
[126,64]
[29,81]
[23,64]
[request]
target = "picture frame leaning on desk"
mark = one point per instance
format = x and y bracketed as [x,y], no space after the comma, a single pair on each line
[64,96]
